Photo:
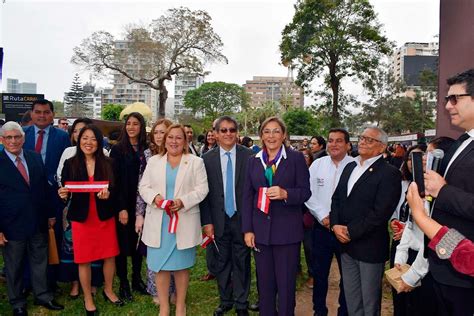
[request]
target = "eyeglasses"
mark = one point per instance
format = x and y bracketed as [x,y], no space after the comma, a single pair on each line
[14,137]
[231,130]
[368,140]
[275,131]
[453,98]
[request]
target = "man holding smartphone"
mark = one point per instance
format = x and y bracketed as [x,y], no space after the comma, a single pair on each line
[453,189]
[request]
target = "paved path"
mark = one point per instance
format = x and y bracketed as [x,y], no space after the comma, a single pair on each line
[304,304]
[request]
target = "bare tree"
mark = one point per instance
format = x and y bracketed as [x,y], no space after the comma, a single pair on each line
[180,40]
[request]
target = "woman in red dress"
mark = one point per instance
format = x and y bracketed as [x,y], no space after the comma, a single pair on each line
[92,214]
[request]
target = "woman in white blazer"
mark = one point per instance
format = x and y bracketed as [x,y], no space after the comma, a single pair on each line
[171,232]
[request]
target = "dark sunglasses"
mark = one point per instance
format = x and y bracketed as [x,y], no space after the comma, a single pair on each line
[231,130]
[453,98]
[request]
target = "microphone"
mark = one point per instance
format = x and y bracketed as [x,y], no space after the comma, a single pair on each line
[433,160]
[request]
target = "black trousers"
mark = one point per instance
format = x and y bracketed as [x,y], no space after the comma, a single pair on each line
[231,265]
[454,300]
[15,253]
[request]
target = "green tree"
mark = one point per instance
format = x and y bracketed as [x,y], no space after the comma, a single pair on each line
[111,112]
[74,100]
[214,99]
[58,108]
[253,117]
[181,40]
[300,122]
[335,38]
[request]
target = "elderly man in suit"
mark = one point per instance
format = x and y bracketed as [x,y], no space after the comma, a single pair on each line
[221,216]
[25,214]
[453,189]
[366,195]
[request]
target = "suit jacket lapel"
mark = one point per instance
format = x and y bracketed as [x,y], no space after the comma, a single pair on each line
[373,168]
[238,164]
[14,169]
[460,157]
[216,162]
[280,171]
[183,167]
[345,178]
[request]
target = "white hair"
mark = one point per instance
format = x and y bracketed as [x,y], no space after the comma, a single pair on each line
[383,136]
[12,126]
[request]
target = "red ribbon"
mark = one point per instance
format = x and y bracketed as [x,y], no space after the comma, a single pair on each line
[174,217]
[263,202]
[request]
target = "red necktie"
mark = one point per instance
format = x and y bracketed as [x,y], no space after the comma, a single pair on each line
[22,169]
[39,142]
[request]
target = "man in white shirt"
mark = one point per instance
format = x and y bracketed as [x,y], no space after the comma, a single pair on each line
[324,176]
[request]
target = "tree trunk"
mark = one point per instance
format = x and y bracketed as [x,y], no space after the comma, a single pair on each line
[162,98]
[334,81]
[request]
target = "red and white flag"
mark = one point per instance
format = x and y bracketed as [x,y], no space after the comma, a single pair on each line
[206,240]
[86,186]
[174,217]
[263,202]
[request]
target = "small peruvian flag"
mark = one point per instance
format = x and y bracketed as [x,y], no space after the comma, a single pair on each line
[263,202]
[173,225]
[86,186]
[205,240]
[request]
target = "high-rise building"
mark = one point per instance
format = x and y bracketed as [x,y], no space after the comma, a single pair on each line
[93,100]
[14,86]
[282,90]
[125,92]
[183,83]
[412,58]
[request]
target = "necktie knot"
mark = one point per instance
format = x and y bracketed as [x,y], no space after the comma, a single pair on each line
[228,154]
[41,132]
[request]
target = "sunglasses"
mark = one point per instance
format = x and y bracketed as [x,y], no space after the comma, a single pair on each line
[453,98]
[231,130]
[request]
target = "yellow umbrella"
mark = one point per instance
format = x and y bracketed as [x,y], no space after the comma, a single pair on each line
[139,107]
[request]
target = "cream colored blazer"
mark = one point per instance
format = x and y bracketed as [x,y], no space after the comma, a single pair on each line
[191,188]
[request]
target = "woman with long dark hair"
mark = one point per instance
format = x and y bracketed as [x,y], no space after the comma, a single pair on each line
[128,156]
[93,226]
[68,270]
[209,142]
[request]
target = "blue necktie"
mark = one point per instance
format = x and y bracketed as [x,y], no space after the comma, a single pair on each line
[229,188]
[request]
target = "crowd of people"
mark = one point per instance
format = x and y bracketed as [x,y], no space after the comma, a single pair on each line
[158,195]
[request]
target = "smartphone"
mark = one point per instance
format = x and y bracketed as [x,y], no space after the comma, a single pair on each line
[417,171]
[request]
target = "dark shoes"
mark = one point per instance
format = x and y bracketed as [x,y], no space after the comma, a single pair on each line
[242,312]
[254,307]
[91,313]
[221,310]
[20,311]
[51,305]
[118,302]
[208,277]
[125,293]
[139,286]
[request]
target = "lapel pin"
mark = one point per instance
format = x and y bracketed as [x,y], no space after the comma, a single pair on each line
[371,169]
[185,162]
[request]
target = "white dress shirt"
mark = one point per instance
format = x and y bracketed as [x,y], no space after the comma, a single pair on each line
[224,158]
[282,156]
[324,177]
[359,171]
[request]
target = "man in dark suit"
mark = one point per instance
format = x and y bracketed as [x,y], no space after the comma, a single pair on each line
[453,189]
[49,142]
[366,195]
[189,138]
[226,167]
[25,214]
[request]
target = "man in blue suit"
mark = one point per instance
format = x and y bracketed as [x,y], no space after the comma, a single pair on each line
[25,214]
[49,142]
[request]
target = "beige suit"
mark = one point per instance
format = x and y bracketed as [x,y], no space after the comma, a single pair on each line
[191,188]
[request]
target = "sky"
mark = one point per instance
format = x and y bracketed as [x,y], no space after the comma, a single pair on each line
[38,37]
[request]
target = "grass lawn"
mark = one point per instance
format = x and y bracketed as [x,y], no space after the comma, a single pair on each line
[202,297]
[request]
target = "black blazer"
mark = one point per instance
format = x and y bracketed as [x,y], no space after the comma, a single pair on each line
[213,206]
[24,209]
[79,206]
[454,208]
[367,209]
